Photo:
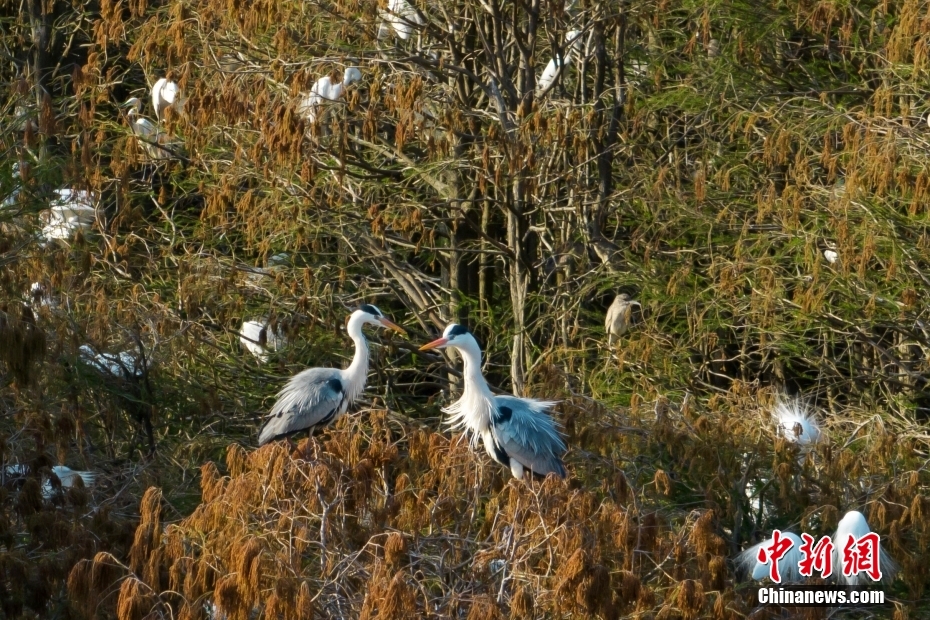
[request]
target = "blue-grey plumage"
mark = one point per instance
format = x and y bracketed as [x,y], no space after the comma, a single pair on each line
[318,396]
[517,432]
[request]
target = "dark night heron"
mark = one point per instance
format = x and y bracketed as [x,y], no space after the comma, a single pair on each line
[619,317]
[317,396]
[517,432]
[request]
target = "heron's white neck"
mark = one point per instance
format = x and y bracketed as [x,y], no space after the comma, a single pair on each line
[357,372]
[473,410]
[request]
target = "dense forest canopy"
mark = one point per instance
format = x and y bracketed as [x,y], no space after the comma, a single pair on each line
[754,174]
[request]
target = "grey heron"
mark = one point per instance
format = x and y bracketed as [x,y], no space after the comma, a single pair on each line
[165,94]
[853,524]
[326,91]
[618,317]
[517,432]
[317,396]
[788,568]
[572,42]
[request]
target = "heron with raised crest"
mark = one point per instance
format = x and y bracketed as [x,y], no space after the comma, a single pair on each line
[317,397]
[517,432]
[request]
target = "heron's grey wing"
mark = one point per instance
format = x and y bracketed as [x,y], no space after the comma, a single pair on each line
[311,398]
[527,433]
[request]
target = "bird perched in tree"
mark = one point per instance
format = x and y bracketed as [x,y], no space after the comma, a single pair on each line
[618,318]
[853,524]
[796,424]
[67,476]
[572,44]
[325,91]
[749,560]
[70,212]
[259,338]
[122,365]
[145,130]
[401,17]
[517,432]
[165,94]
[318,396]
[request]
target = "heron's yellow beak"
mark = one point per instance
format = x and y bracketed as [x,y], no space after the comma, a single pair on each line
[436,343]
[392,325]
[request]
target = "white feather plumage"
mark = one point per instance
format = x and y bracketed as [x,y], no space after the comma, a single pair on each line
[854,524]
[797,424]
[788,568]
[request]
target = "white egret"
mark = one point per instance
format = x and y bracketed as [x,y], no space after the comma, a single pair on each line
[13,196]
[572,43]
[854,524]
[67,476]
[401,17]
[317,396]
[258,337]
[325,91]
[788,568]
[165,94]
[618,317]
[517,432]
[796,424]
[41,297]
[122,365]
[70,211]
[145,130]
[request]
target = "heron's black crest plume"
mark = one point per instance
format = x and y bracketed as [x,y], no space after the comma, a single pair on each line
[458,330]
[370,309]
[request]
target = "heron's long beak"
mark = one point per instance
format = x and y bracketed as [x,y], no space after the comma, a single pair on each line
[436,343]
[392,325]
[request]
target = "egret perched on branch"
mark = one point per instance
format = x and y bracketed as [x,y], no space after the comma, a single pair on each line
[70,212]
[788,568]
[572,44]
[67,476]
[325,91]
[797,424]
[165,94]
[401,17]
[317,396]
[618,317]
[517,432]
[258,337]
[145,130]
[122,365]
[854,524]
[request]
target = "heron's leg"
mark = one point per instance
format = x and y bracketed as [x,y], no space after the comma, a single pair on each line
[516,468]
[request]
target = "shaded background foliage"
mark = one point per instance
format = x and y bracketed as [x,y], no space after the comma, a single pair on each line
[700,156]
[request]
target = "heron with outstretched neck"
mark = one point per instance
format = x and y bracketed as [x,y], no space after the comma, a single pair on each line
[317,397]
[517,432]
